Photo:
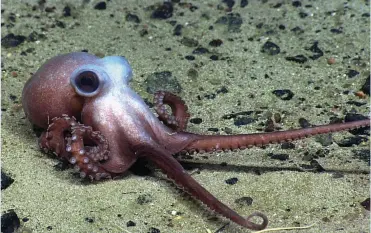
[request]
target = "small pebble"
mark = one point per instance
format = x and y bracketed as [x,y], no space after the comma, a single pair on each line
[231,181]
[331,61]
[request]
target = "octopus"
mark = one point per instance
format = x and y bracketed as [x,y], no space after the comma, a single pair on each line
[95,121]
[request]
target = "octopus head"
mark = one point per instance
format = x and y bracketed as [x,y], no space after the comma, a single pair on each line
[64,83]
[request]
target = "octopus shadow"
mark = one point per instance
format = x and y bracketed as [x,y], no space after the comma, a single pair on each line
[258,170]
[143,167]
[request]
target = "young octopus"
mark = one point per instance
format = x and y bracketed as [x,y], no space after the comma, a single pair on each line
[94,120]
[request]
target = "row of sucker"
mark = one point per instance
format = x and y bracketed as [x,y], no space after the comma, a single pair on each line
[161,109]
[241,142]
[54,138]
[86,159]
[176,120]
[78,144]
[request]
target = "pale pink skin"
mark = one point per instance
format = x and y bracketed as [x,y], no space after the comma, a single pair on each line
[116,111]
[130,127]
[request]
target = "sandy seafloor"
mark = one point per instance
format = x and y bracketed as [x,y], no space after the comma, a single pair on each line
[57,201]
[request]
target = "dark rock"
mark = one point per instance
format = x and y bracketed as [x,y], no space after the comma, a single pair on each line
[34,36]
[287,145]
[210,96]
[351,141]
[270,48]
[162,81]
[154,230]
[12,40]
[178,30]
[192,73]
[89,219]
[66,11]
[231,181]
[366,86]
[269,125]
[296,3]
[132,18]
[6,180]
[214,57]
[284,94]
[216,43]
[316,50]
[10,222]
[352,73]
[303,15]
[317,166]
[196,121]
[234,115]
[336,31]
[244,201]
[213,130]
[164,11]
[324,139]
[190,57]
[232,20]
[356,103]
[298,58]
[243,120]
[304,123]
[223,89]
[229,3]
[100,6]
[297,30]
[143,32]
[60,24]
[281,157]
[200,50]
[337,175]
[366,204]
[356,117]
[144,199]
[50,9]
[130,224]
[363,154]
[243,3]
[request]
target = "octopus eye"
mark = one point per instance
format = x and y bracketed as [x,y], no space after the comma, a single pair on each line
[86,83]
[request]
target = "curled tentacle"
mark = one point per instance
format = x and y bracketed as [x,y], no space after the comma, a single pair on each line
[54,138]
[179,118]
[78,144]
[87,149]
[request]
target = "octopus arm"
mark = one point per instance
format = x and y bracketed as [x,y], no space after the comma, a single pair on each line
[209,143]
[171,167]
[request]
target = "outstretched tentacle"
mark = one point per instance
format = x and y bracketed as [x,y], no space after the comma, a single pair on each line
[179,118]
[175,172]
[88,148]
[208,143]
